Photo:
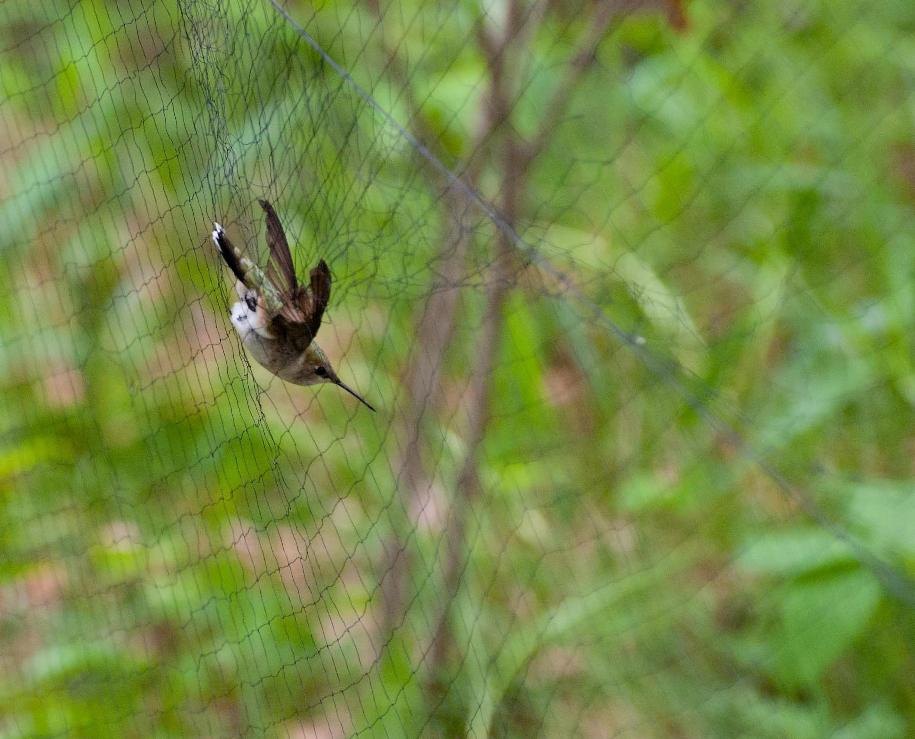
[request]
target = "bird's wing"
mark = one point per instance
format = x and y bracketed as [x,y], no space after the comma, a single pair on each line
[311,302]
[248,273]
[318,295]
[280,267]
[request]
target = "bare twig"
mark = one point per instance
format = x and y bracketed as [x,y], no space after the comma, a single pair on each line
[582,58]
[421,390]
[515,160]
[437,319]
[422,373]
[466,486]
[435,328]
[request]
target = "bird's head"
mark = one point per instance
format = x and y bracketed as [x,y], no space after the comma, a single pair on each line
[318,369]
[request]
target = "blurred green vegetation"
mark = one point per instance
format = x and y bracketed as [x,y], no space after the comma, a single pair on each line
[190,547]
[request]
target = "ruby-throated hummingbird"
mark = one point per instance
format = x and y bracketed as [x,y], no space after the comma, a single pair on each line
[276,318]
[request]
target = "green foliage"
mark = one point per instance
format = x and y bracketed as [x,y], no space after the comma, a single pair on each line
[191,548]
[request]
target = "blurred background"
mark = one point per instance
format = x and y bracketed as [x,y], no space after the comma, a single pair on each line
[632,285]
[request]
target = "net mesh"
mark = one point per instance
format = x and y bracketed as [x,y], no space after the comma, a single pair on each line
[631,285]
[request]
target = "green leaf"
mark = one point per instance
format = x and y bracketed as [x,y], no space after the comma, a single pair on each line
[820,619]
[885,512]
[60,661]
[644,492]
[25,456]
[657,299]
[793,553]
[818,392]
[567,620]
[878,722]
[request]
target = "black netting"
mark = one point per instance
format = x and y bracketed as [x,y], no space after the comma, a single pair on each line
[631,284]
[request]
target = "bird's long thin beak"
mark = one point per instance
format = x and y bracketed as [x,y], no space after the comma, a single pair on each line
[356,395]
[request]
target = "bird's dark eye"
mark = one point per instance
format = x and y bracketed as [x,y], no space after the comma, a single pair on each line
[320,371]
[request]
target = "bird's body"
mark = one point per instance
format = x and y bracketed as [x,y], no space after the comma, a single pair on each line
[276,318]
[288,360]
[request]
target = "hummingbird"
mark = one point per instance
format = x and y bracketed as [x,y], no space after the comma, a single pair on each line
[276,317]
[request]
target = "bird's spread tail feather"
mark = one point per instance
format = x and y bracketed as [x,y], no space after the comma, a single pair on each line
[229,253]
[247,272]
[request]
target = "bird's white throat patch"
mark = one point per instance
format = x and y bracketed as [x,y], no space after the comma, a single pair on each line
[246,320]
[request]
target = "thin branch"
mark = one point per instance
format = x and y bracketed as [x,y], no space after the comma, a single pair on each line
[435,328]
[489,340]
[579,62]
[421,391]
[437,320]
[515,161]
[397,68]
